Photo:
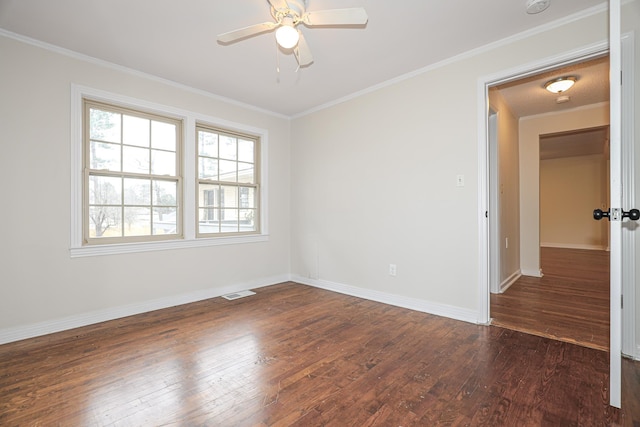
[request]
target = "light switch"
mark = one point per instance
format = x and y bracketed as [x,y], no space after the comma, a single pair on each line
[460,181]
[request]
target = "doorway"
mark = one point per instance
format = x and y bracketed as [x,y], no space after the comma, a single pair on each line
[569,301]
[530,131]
[623,278]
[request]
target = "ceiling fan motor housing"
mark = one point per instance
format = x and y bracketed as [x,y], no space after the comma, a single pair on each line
[295,10]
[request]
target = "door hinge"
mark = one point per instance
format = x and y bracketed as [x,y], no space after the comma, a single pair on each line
[622,301]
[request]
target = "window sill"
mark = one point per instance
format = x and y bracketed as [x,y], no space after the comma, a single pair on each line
[125,248]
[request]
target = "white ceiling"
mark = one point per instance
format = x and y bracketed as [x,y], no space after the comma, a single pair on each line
[176,40]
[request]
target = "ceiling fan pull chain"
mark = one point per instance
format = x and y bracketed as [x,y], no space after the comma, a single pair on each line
[277,64]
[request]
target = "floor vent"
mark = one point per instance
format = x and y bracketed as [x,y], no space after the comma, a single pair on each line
[237,295]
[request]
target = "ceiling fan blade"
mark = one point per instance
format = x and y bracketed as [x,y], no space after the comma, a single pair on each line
[243,33]
[302,51]
[278,4]
[353,16]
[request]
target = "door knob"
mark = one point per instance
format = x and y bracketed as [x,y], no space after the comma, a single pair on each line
[632,214]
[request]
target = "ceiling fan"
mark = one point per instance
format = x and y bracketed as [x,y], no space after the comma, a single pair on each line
[287,15]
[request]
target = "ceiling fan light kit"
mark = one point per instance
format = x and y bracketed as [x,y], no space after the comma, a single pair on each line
[287,36]
[287,15]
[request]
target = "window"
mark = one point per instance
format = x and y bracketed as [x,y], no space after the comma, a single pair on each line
[228,184]
[132,184]
[142,180]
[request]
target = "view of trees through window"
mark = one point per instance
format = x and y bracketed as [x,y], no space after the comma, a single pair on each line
[132,174]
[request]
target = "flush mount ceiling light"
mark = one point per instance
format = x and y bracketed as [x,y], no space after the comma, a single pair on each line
[537,6]
[561,84]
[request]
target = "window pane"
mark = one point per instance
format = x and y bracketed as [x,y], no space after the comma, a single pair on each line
[163,163]
[247,197]
[105,190]
[207,144]
[137,191]
[104,221]
[228,148]
[228,171]
[104,126]
[247,220]
[245,151]
[104,156]
[135,131]
[229,221]
[165,193]
[163,136]
[229,196]
[137,221]
[135,160]
[208,221]
[208,168]
[165,221]
[246,173]
[208,195]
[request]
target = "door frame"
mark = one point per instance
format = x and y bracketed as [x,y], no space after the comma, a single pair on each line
[486,163]
[487,160]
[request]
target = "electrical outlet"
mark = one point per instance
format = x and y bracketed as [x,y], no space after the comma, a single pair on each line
[392,270]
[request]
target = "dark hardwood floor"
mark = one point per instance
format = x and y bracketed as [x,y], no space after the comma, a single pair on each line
[296,355]
[570,303]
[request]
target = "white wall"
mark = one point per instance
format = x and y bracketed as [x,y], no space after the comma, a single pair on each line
[530,130]
[374,178]
[508,189]
[39,280]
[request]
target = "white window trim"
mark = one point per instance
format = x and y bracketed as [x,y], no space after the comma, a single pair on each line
[77,249]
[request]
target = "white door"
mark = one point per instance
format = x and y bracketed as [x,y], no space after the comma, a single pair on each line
[615,343]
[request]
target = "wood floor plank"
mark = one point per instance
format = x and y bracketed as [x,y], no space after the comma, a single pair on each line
[296,355]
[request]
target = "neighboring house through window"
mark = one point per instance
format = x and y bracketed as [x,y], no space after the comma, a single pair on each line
[227,182]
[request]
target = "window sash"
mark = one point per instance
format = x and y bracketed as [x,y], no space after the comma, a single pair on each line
[119,212]
[217,220]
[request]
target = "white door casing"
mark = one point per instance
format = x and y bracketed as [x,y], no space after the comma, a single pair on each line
[615,203]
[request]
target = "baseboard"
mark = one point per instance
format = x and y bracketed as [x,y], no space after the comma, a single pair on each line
[8,335]
[437,309]
[532,273]
[574,246]
[510,281]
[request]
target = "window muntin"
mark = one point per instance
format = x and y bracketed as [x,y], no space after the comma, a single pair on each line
[227,195]
[132,185]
